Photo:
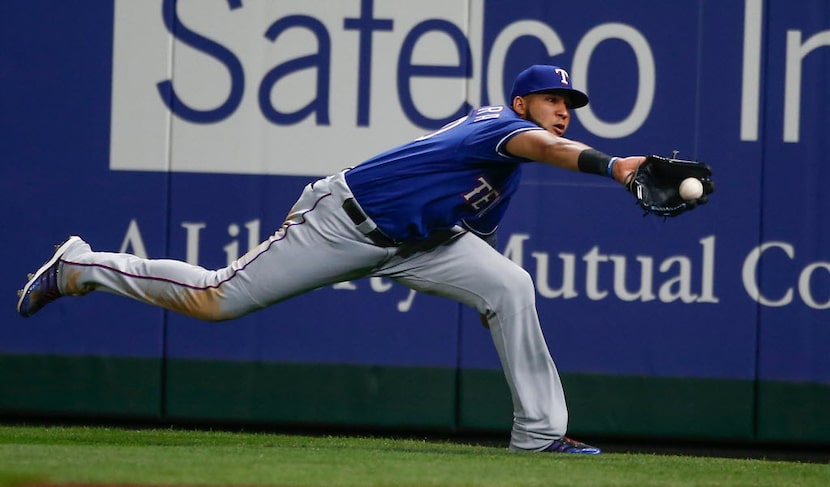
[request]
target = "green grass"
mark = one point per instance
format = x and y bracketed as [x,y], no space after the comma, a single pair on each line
[207,458]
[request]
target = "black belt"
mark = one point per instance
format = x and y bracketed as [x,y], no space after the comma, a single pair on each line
[356,214]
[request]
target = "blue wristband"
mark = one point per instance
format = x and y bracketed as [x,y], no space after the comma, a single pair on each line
[609,172]
[593,161]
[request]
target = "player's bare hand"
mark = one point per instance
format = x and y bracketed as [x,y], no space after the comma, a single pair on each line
[624,168]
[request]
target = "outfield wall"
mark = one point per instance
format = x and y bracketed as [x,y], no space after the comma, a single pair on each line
[187,129]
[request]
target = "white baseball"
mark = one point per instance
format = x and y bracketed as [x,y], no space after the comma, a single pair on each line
[691,189]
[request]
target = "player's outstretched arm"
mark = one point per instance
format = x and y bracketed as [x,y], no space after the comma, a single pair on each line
[624,168]
[542,146]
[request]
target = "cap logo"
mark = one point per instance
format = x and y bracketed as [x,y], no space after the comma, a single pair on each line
[542,78]
[563,76]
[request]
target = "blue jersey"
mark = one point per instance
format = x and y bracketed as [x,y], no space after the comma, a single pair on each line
[459,174]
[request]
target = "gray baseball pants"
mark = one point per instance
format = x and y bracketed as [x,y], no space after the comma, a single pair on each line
[320,245]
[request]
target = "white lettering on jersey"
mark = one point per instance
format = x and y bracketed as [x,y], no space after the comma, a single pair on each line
[486,113]
[449,126]
[482,195]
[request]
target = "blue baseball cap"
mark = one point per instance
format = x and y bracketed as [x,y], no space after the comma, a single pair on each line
[544,78]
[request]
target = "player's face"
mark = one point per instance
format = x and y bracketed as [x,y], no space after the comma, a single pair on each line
[550,111]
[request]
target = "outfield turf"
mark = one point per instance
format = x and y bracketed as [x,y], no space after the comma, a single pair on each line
[106,455]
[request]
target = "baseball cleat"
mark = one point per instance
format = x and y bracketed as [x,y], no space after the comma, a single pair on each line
[567,445]
[42,287]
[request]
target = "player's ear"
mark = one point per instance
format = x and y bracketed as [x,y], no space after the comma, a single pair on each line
[519,106]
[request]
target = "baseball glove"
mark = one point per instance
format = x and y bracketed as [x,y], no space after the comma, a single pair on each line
[656,185]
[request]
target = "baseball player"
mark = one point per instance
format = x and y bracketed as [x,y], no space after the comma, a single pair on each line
[421,214]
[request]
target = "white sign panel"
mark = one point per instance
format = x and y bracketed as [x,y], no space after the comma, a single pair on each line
[283,87]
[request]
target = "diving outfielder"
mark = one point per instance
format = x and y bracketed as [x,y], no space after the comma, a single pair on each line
[421,214]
